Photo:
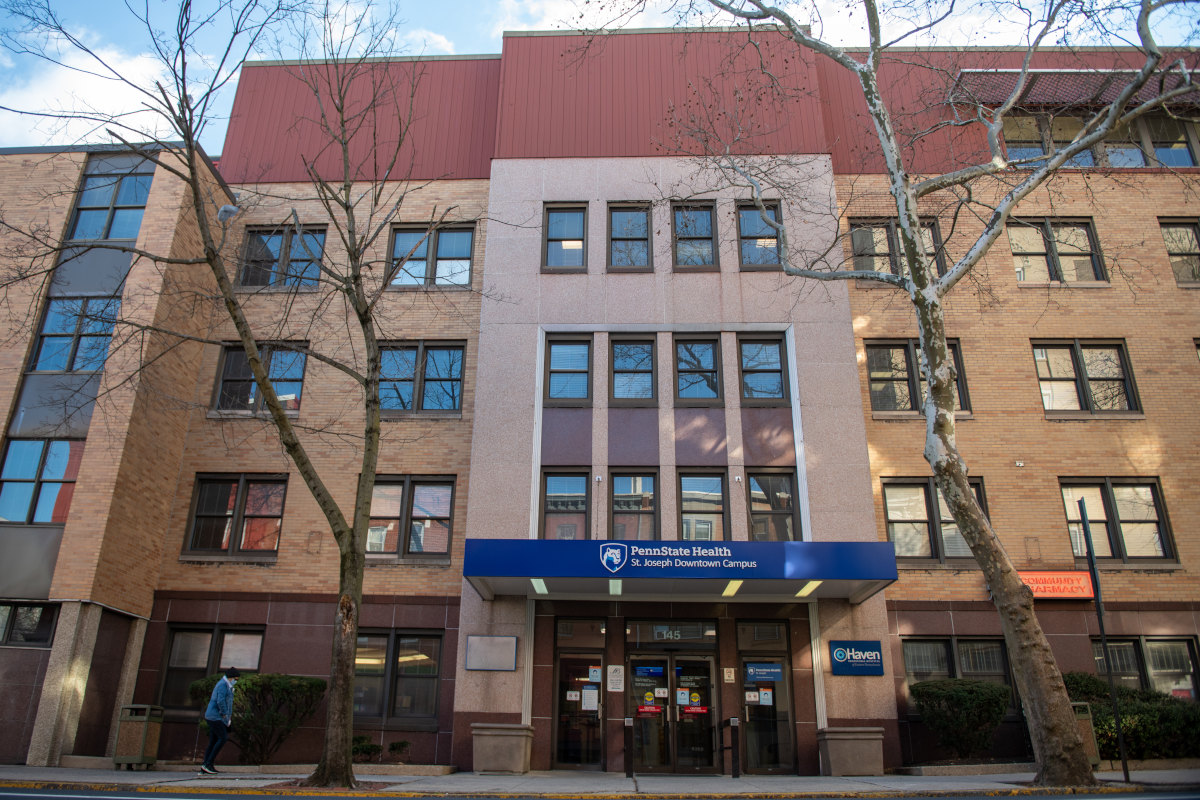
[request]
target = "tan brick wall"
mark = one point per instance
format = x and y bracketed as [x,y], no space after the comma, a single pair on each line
[995,321]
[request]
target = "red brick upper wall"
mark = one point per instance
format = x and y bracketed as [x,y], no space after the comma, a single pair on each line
[273,129]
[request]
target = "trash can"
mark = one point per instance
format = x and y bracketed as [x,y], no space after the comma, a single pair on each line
[1083,718]
[138,729]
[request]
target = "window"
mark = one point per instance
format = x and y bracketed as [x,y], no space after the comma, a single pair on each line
[698,371]
[632,371]
[936,659]
[565,509]
[568,371]
[896,382]
[27,625]
[629,238]
[695,242]
[112,198]
[917,527]
[1126,517]
[423,376]
[565,247]
[1183,249]
[1084,376]
[75,334]
[758,242]
[237,515]
[876,245]
[1163,665]
[1061,252]
[1154,140]
[396,675]
[196,654]
[772,506]
[239,392]
[702,507]
[449,266]
[634,506]
[284,257]
[421,508]
[37,480]
[761,364]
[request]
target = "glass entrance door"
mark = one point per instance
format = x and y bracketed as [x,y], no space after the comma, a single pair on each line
[578,742]
[671,699]
[766,717]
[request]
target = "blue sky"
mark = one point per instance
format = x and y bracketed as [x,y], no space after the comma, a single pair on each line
[433,27]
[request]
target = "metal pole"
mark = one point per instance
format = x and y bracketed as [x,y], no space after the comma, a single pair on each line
[1108,664]
[629,747]
[735,746]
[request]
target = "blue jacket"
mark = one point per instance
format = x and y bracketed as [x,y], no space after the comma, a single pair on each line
[220,705]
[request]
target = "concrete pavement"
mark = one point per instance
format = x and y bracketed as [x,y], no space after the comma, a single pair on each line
[590,785]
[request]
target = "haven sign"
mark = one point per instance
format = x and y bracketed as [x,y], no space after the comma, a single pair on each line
[856,657]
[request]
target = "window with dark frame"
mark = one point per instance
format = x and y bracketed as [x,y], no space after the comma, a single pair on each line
[411,516]
[1126,515]
[37,480]
[450,264]
[565,244]
[919,528]
[633,378]
[1092,377]
[697,370]
[1049,251]
[876,245]
[421,376]
[694,233]
[762,362]
[568,370]
[75,334]
[758,242]
[634,506]
[283,257]
[773,507]
[237,515]
[702,507]
[239,392]
[397,675]
[27,624]
[1154,140]
[980,659]
[895,379]
[629,238]
[1160,665]
[565,505]
[195,653]
[1183,249]
[112,198]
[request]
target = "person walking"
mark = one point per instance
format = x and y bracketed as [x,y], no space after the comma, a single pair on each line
[219,715]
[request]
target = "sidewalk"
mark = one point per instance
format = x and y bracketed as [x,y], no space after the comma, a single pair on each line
[588,784]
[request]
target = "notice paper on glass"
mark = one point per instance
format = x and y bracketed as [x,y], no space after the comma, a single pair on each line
[572,696]
[591,698]
[766,697]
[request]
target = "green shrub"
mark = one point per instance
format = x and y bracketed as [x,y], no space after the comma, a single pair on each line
[362,749]
[267,708]
[963,713]
[1084,687]
[398,748]
[1163,728]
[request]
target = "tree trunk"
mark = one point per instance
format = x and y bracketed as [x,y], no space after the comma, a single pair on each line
[336,767]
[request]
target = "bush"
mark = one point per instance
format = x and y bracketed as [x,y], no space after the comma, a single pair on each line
[1084,687]
[963,713]
[362,749]
[1155,725]
[267,708]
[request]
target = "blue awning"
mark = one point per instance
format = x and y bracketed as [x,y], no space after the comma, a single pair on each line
[698,571]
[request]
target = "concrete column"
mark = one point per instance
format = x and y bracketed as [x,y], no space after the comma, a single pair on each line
[66,679]
[129,674]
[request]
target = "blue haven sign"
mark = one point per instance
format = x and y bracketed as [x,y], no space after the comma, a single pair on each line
[856,657]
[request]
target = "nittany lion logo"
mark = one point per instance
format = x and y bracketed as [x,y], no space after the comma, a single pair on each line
[614,556]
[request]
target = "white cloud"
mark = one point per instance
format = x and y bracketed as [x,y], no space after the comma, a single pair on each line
[427,43]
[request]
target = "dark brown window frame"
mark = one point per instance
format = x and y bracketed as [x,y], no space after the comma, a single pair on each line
[400,722]
[1143,140]
[233,551]
[1087,404]
[1112,521]
[433,235]
[280,273]
[698,402]
[266,351]
[47,620]
[419,377]
[712,238]
[553,339]
[914,379]
[794,514]
[780,340]
[1184,222]
[550,472]
[212,665]
[951,644]
[655,515]
[1139,644]
[933,519]
[893,238]
[647,208]
[777,264]
[552,208]
[633,402]
[1053,260]
[703,472]
[410,484]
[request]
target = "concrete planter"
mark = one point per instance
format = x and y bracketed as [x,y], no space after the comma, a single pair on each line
[851,751]
[501,747]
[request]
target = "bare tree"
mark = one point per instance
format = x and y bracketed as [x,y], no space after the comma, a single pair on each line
[986,190]
[328,304]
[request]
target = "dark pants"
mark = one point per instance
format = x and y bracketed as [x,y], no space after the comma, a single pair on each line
[218,733]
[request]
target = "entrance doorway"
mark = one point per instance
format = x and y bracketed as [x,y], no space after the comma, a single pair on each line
[672,701]
[579,705]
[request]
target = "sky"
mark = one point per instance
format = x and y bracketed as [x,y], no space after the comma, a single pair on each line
[432,27]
